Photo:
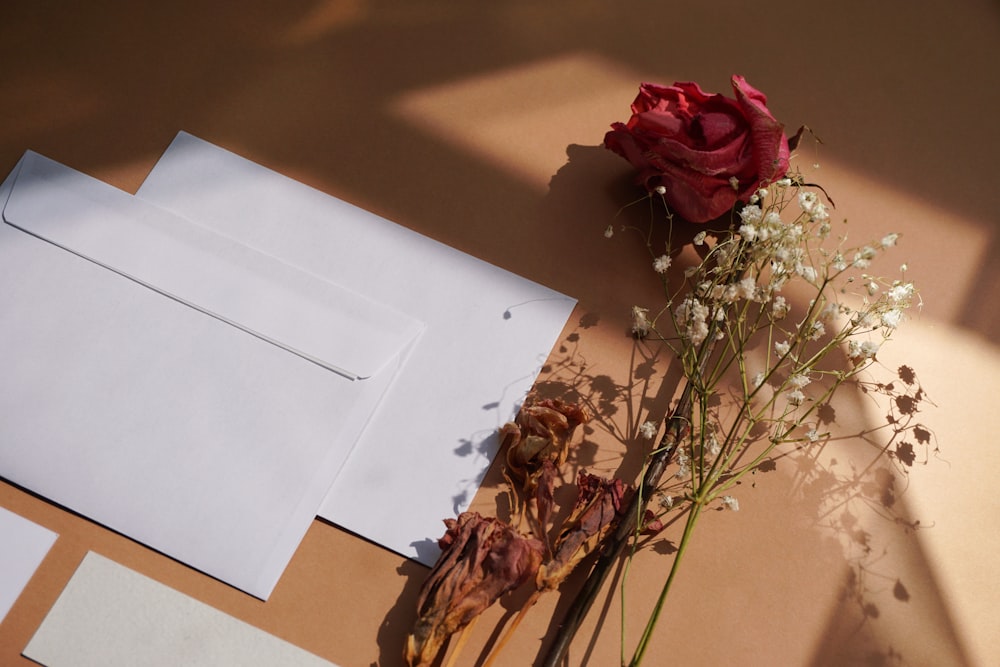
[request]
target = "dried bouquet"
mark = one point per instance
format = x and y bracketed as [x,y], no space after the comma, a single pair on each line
[758,365]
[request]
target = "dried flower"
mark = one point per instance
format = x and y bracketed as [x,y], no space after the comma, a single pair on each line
[860,351]
[540,433]
[692,320]
[701,152]
[892,318]
[536,444]
[597,508]
[482,558]
[901,292]
[651,524]
[779,307]
[640,322]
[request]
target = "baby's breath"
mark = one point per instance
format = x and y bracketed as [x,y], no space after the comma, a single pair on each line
[735,297]
[648,430]
[640,321]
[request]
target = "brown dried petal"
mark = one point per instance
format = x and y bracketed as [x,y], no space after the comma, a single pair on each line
[540,490]
[510,436]
[544,429]
[482,559]
[598,506]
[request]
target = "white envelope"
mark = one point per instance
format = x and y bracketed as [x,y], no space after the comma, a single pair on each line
[488,334]
[172,384]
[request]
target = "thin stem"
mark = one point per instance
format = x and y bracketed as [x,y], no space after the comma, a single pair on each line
[462,639]
[513,626]
[640,649]
[678,426]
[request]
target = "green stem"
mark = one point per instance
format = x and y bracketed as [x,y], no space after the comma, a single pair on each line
[655,616]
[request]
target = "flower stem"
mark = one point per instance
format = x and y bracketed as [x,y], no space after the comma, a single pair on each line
[510,630]
[677,427]
[640,649]
[462,639]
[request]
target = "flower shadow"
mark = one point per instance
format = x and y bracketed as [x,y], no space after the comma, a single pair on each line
[854,486]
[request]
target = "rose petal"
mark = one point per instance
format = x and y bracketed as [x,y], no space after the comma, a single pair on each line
[693,143]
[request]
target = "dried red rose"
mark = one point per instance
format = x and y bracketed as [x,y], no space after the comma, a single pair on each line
[482,558]
[705,151]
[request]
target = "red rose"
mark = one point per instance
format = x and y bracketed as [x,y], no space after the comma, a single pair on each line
[694,145]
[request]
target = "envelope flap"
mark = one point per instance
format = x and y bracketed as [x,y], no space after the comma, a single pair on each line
[313,318]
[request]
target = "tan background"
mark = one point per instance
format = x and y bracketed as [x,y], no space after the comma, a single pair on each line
[479,124]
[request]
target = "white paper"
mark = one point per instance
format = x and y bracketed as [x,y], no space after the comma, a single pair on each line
[488,333]
[23,545]
[111,616]
[144,385]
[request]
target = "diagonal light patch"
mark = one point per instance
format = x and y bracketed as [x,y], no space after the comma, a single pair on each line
[522,119]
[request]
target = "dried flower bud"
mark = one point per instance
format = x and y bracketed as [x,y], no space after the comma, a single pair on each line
[482,558]
[541,433]
[651,524]
[536,445]
[597,509]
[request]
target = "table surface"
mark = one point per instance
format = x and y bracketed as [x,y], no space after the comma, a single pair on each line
[480,126]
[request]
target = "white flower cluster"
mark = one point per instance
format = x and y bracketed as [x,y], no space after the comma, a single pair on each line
[782,236]
[683,461]
[640,322]
[692,320]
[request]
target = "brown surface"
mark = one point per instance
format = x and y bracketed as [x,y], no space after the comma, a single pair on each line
[479,126]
